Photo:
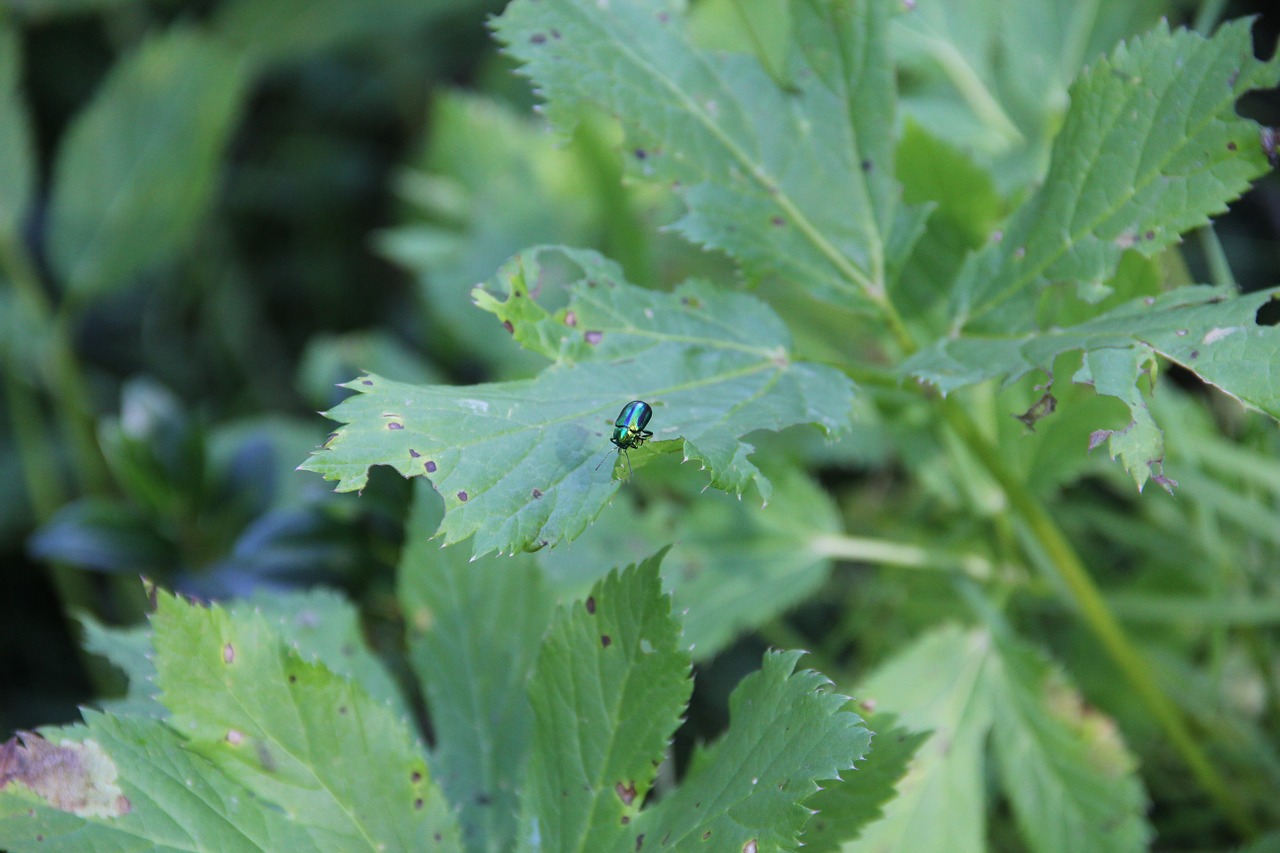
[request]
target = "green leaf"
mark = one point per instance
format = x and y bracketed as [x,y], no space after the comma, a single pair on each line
[474,629]
[139,166]
[295,734]
[1207,330]
[496,182]
[1071,782]
[786,733]
[17,164]
[938,685]
[1151,147]
[130,650]
[284,30]
[737,567]
[734,566]
[515,461]
[172,801]
[607,693]
[844,807]
[731,139]
[322,625]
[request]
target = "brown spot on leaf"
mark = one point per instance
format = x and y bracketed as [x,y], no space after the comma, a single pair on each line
[79,778]
[570,319]
[462,496]
[626,793]
[606,640]
[641,154]
[537,493]
[417,804]
[777,222]
[593,337]
[413,454]
[415,777]
[537,38]
[228,653]
[1097,437]
[591,604]
[1231,146]
[506,324]
[394,425]
[429,466]
[366,381]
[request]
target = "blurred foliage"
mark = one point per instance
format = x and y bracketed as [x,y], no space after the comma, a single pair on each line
[213,212]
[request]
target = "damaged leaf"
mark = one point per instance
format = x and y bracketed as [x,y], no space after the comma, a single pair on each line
[75,777]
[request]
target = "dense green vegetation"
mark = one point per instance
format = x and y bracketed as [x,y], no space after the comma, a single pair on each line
[958,323]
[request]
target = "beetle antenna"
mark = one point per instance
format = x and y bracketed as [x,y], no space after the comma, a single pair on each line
[602,458]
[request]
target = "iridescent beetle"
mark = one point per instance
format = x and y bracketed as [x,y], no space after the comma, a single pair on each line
[629,430]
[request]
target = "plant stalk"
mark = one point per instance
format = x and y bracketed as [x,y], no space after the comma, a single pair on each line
[1098,617]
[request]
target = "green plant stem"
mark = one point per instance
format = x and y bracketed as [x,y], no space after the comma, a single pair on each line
[64,380]
[1219,268]
[884,552]
[44,488]
[1093,609]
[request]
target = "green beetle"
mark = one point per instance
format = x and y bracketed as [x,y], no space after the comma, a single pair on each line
[629,430]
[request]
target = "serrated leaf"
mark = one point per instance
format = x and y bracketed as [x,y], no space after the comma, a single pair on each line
[1151,147]
[474,629]
[295,734]
[731,139]
[607,693]
[856,799]
[174,801]
[1207,330]
[17,165]
[323,625]
[937,685]
[139,165]
[515,461]
[130,650]
[734,566]
[1070,780]
[786,733]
